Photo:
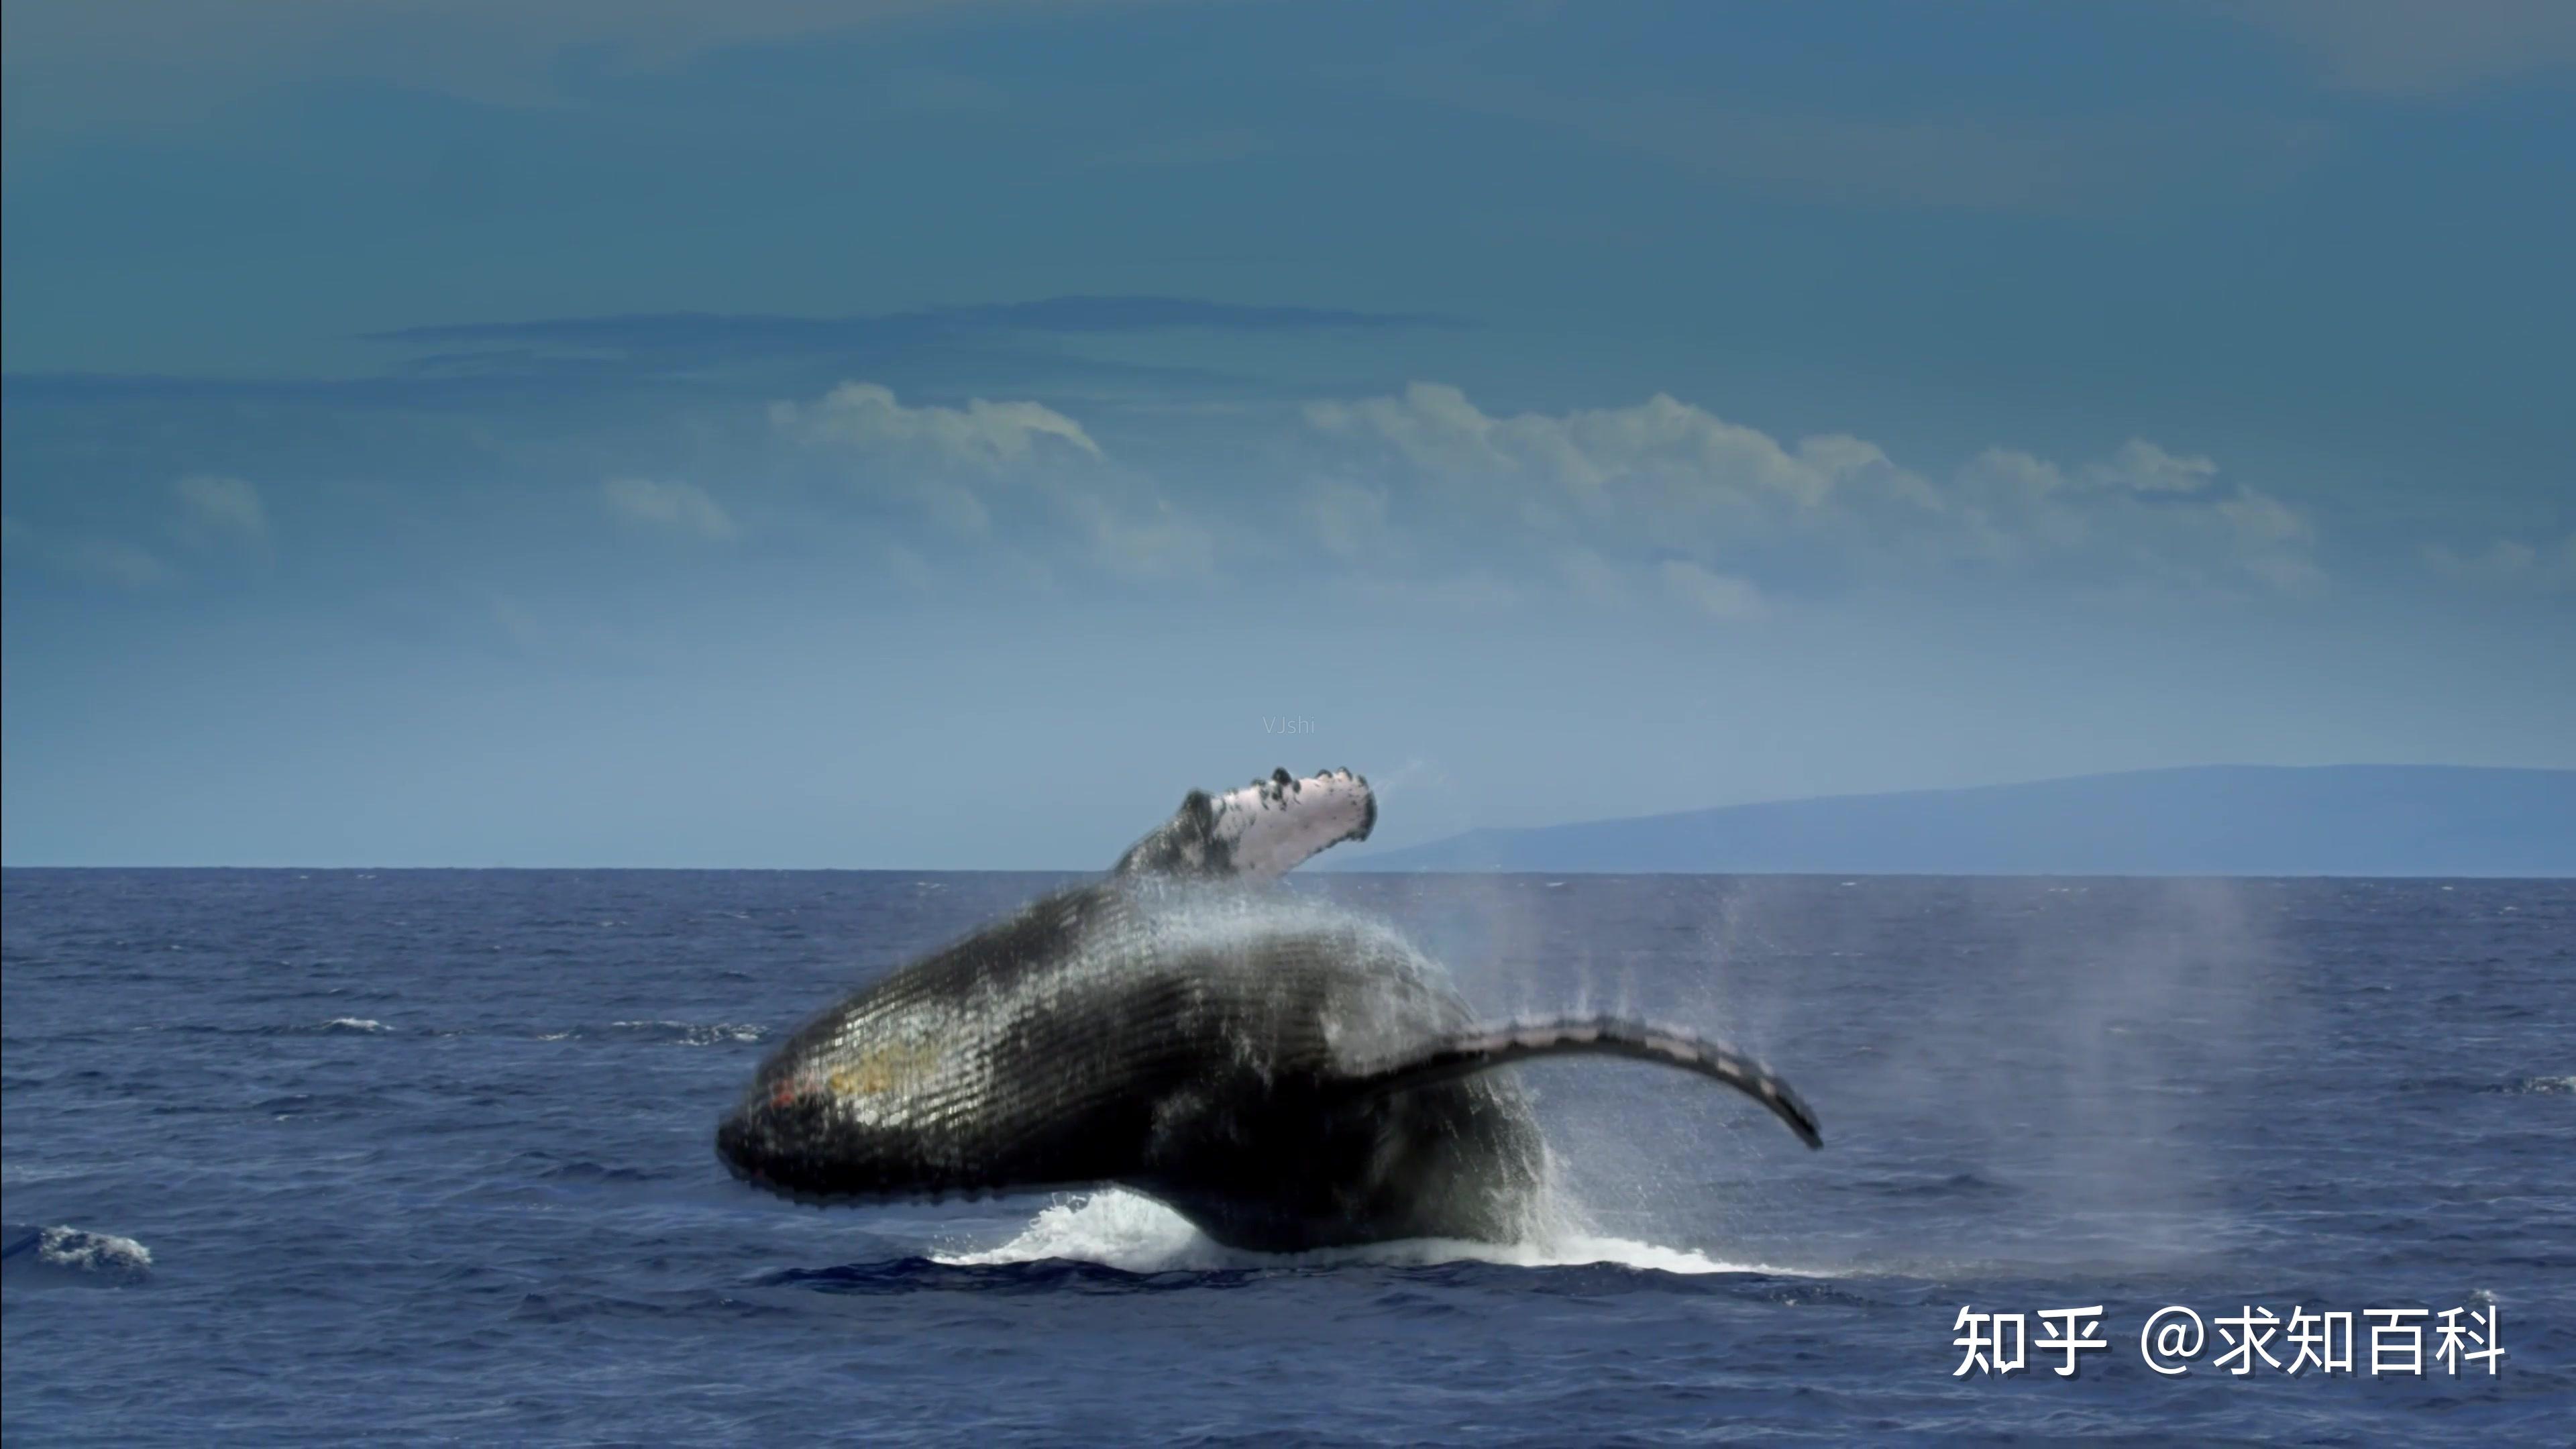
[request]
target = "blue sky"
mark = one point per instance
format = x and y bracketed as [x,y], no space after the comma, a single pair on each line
[938,434]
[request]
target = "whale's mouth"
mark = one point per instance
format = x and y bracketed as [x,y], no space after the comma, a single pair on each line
[734,1146]
[775,1143]
[796,1147]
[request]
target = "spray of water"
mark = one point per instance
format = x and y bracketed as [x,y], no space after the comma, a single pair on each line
[2010,1071]
[1134,1233]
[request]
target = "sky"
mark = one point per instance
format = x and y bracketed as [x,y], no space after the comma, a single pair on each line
[939,433]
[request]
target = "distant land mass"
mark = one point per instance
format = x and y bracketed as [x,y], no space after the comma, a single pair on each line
[2392,820]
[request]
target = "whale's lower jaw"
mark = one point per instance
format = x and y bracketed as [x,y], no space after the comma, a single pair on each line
[835,1197]
[751,1156]
[1453,1159]
[1471,1181]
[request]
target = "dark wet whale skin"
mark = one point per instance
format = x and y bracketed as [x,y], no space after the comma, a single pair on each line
[1284,1075]
[1213,1049]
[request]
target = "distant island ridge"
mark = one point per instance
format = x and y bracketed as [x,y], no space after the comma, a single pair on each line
[2383,820]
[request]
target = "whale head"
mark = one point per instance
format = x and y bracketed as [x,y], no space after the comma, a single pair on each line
[919,1087]
[867,1102]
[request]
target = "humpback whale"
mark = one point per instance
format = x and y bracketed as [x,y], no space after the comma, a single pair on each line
[1284,1075]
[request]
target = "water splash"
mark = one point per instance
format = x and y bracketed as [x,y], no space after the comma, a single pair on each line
[64,1249]
[1133,1233]
[690,1033]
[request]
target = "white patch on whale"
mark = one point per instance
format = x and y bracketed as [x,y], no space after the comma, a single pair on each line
[1259,832]
[1269,826]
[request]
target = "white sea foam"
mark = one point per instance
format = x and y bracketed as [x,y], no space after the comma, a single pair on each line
[88,1252]
[690,1033]
[1134,1233]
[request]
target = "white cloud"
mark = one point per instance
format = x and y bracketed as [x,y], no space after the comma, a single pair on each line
[2272,541]
[2142,467]
[2015,472]
[676,506]
[982,434]
[1661,443]
[1017,478]
[1720,596]
[1664,478]
[221,509]
[2262,520]
[1349,519]
[1164,545]
[952,505]
[1433,424]
[2510,563]
[1594,577]
[2410,47]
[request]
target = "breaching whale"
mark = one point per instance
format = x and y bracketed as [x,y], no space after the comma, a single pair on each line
[1283,1075]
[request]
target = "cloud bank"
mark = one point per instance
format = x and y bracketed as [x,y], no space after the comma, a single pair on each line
[1665,496]
[1012,479]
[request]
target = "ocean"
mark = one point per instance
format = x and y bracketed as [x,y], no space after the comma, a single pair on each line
[310,1157]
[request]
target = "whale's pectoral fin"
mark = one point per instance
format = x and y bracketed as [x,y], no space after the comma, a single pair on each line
[1485,1048]
[1258,832]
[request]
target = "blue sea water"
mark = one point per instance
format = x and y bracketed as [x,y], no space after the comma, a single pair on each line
[312,1157]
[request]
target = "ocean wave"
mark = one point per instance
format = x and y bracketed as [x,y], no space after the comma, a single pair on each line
[64,1249]
[2553,1086]
[690,1033]
[674,1033]
[336,1026]
[1133,1233]
[18,1172]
